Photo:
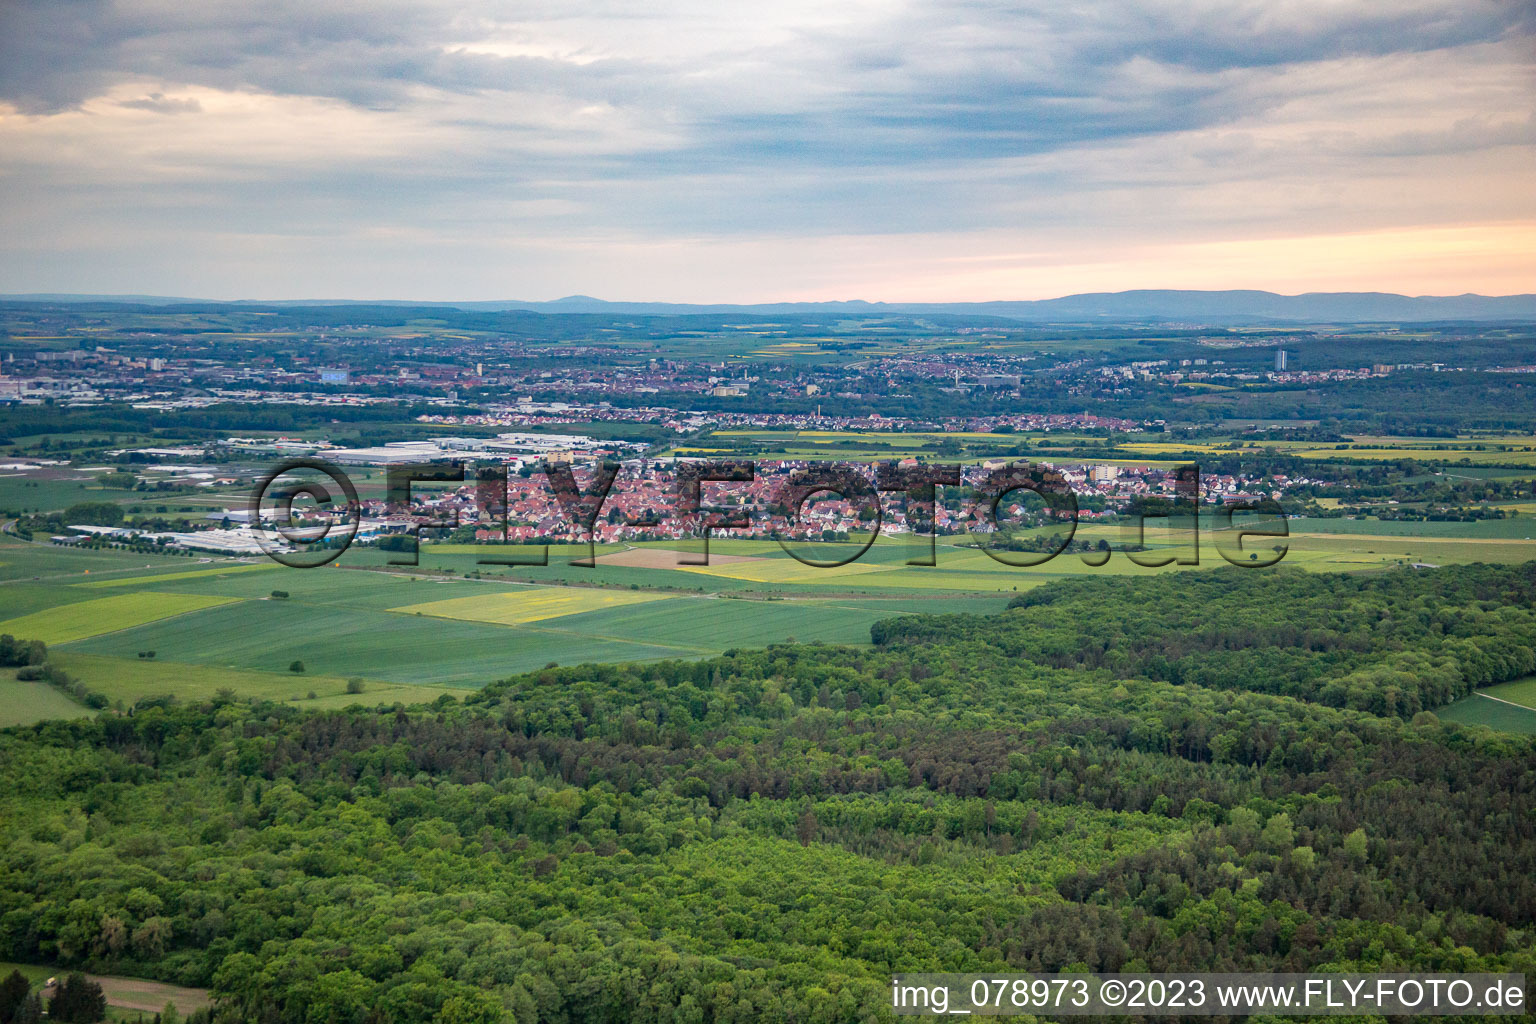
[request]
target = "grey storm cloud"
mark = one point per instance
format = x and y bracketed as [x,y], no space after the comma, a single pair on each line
[993,78]
[56,55]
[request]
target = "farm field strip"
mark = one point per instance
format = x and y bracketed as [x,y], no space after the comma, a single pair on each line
[24,702]
[260,638]
[1524,457]
[716,623]
[511,608]
[373,644]
[21,559]
[1519,528]
[966,568]
[785,569]
[133,679]
[1520,691]
[340,588]
[132,581]
[1479,710]
[23,599]
[84,619]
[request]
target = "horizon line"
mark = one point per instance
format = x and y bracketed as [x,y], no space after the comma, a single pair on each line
[579,297]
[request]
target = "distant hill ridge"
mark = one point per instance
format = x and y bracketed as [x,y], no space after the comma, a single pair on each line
[1236,306]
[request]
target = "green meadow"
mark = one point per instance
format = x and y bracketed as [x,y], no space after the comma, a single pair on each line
[81,619]
[1520,691]
[133,679]
[131,626]
[129,632]
[394,628]
[22,560]
[1479,710]
[55,488]
[24,703]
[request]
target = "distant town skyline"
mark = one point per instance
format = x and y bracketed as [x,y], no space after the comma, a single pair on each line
[937,151]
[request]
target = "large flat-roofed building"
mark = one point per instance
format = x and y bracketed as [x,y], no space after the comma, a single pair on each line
[238,541]
[542,442]
[512,446]
[396,453]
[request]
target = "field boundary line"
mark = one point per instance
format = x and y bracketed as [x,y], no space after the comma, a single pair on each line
[1511,703]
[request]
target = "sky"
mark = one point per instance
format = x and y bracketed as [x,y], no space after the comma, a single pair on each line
[719,151]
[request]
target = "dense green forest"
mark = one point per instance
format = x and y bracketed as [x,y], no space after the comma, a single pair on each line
[1392,644]
[1232,770]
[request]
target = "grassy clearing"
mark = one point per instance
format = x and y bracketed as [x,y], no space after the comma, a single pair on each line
[511,608]
[32,972]
[83,619]
[1341,552]
[133,679]
[24,703]
[128,999]
[1521,691]
[54,488]
[1479,710]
